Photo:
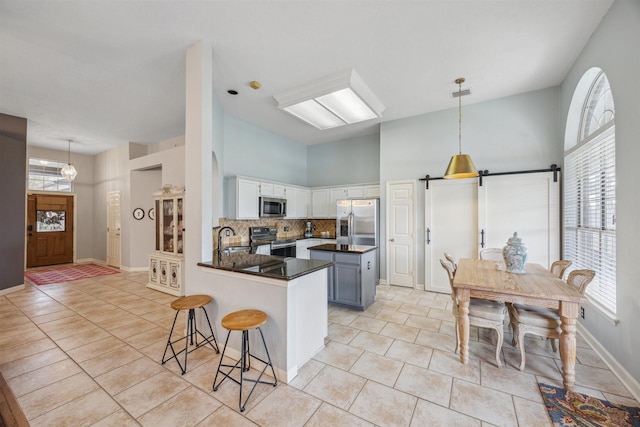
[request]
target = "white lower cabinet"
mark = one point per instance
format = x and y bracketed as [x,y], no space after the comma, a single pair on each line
[303,245]
[166,274]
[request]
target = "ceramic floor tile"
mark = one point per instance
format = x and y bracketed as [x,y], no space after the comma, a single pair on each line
[83,411]
[392,316]
[388,305]
[531,414]
[148,394]
[111,360]
[341,317]
[422,322]
[384,406]
[306,373]
[60,314]
[436,340]
[186,408]
[117,419]
[328,415]
[600,379]
[24,350]
[228,392]
[336,387]
[225,417]
[413,309]
[95,349]
[31,363]
[342,334]
[432,415]
[587,356]
[202,375]
[367,324]
[82,338]
[43,400]
[483,403]
[377,368]
[371,342]
[410,353]
[133,328]
[425,384]
[26,335]
[449,364]
[400,332]
[510,381]
[33,380]
[338,355]
[128,375]
[535,364]
[285,407]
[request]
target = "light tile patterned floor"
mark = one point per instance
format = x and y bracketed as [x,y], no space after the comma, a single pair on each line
[87,352]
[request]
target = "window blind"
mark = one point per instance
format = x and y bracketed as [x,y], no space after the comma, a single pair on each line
[590,213]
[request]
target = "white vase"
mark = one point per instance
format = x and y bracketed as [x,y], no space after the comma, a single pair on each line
[515,255]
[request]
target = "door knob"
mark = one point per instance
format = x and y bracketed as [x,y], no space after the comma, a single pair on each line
[392,240]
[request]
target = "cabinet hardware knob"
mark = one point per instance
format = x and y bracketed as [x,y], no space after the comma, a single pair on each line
[392,240]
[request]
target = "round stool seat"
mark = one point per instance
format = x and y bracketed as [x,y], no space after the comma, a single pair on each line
[244,320]
[190,302]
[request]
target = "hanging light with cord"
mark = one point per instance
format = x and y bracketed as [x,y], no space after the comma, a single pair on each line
[460,165]
[68,172]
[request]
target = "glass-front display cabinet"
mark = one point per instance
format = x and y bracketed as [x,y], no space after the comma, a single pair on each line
[166,262]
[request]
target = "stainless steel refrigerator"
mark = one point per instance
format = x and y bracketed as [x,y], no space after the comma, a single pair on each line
[358,223]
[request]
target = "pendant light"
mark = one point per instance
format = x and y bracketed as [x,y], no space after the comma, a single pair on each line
[68,171]
[460,165]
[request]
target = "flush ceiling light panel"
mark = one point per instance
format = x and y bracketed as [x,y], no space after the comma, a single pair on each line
[336,100]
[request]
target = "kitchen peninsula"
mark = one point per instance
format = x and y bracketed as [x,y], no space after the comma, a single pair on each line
[293,293]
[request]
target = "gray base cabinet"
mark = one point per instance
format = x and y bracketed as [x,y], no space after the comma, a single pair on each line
[351,279]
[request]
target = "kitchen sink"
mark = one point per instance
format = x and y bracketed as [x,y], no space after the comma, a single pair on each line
[236,249]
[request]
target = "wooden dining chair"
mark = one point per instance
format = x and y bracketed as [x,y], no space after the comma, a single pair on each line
[482,313]
[452,260]
[541,321]
[559,267]
[491,254]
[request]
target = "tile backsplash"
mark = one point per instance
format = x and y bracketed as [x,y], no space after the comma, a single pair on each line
[287,228]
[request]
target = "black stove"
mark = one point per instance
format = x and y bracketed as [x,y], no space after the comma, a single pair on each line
[269,236]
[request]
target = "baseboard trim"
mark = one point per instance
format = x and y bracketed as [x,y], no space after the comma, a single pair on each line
[618,370]
[102,262]
[12,289]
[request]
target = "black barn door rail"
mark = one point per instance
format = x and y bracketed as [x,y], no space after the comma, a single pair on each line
[481,173]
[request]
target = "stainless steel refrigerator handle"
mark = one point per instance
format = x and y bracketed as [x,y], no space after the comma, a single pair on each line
[350,235]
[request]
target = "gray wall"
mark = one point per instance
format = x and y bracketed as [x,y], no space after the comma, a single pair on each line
[350,161]
[614,48]
[515,133]
[13,167]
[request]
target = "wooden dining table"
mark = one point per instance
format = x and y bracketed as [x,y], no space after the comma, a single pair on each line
[485,279]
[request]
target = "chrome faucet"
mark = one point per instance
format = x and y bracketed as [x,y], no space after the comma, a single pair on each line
[220,235]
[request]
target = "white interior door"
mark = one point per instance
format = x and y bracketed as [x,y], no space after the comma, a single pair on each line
[451,224]
[526,203]
[401,233]
[113,229]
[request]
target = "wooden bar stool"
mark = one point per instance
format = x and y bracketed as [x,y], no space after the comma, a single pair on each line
[244,320]
[190,303]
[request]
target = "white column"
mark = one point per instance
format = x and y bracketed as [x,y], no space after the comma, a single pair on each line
[198,159]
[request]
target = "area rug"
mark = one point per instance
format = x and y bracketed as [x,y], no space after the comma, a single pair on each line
[576,409]
[68,273]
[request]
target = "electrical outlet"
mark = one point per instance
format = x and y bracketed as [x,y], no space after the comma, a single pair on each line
[582,312]
[227,233]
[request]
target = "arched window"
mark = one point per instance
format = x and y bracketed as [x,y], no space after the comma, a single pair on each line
[590,187]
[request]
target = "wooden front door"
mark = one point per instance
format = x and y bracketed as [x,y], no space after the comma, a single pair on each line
[49,229]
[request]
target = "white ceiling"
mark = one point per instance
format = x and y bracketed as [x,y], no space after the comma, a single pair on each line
[106,72]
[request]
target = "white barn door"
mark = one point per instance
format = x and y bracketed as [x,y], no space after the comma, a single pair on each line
[525,203]
[451,224]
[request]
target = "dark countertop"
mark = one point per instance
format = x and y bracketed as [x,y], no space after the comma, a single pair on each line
[354,249]
[274,267]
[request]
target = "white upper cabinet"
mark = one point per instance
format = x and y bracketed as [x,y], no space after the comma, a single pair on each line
[320,203]
[266,189]
[297,202]
[279,191]
[356,192]
[243,198]
[371,191]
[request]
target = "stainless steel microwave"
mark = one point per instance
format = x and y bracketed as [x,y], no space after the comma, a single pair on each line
[272,207]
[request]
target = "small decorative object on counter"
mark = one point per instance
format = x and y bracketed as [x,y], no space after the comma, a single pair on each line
[515,255]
